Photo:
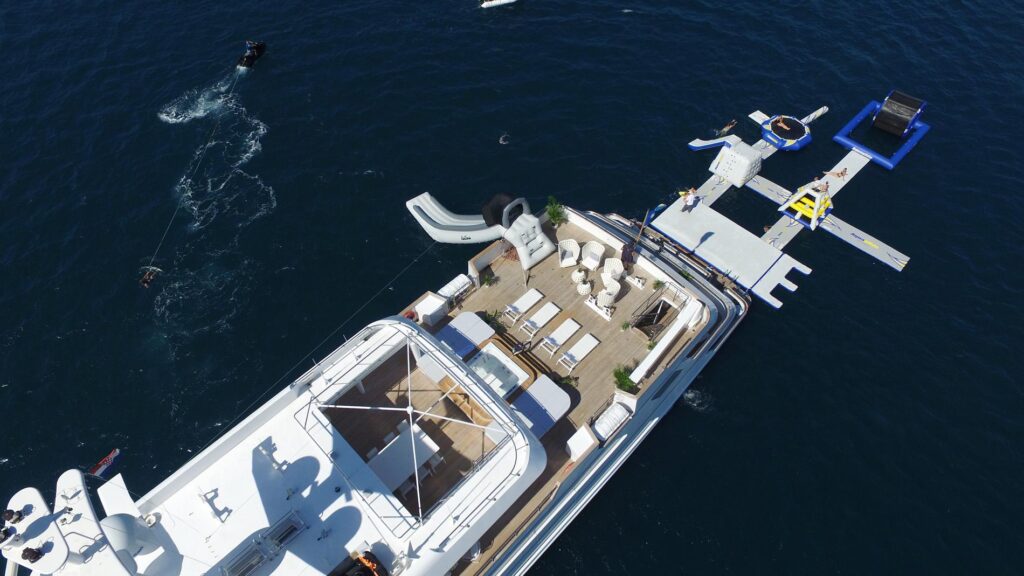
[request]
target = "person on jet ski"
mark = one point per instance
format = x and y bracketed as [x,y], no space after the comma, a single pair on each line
[250,48]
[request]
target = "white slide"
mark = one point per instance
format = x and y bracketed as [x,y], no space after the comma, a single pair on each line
[445,226]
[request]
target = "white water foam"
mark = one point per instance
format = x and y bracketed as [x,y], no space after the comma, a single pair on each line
[197,102]
[210,279]
[697,400]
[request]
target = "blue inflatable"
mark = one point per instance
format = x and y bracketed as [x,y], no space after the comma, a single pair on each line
[899,115]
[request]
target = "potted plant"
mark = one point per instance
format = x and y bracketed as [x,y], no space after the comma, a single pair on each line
[622,381]
[556,212]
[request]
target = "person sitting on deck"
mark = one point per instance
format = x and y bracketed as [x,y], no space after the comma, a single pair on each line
[12,516]
[819,186]
[5,533]
[689,198]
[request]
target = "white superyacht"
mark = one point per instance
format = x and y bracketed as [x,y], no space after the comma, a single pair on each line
[464,434]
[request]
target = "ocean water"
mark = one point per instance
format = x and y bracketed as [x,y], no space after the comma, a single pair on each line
[872,425]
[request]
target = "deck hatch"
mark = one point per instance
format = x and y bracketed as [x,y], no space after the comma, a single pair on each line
[246,563]
[283,531]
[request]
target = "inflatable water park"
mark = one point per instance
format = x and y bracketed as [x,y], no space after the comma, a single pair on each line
[756,263]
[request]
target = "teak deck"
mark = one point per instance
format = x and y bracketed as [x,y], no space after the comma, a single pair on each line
[592,383]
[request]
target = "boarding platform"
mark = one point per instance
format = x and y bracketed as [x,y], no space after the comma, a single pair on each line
[727,246]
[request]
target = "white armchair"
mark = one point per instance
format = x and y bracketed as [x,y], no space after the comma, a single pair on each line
[613,268]
[593,251]
[611,291]
[568,253]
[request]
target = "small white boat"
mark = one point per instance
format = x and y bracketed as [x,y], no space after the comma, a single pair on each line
[493,3]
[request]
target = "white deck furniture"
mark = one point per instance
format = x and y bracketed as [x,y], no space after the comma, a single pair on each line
[473,327]
[578,276]
[540,319]
[542,405]
[607,296]
[453,290]
[611,420]
[431,309]
[394,465]
[579,351]
[613,268]
[592,254]
[580,444]
[568,253]
[560,336]
[515,310]
[584,288]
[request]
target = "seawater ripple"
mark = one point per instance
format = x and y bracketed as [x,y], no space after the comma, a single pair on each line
[897,450]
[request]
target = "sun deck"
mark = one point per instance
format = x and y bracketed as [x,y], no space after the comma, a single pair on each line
[590,385]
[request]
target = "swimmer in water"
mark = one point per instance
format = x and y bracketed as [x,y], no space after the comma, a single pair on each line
[148,277]
[504,139]
[725,129]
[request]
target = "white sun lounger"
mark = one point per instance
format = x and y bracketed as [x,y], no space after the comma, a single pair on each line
[540,319]
[515,310]
[560,336]
[579,351]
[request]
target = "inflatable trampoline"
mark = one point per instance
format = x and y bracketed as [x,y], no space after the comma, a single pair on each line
[785,132]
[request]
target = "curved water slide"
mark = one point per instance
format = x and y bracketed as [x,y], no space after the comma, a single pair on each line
[517,225]
[445,226]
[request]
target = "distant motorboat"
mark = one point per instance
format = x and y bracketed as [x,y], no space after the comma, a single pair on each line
[493,3]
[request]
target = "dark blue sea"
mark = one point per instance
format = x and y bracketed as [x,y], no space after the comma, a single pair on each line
[874,424]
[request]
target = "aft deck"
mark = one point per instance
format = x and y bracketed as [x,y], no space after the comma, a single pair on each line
[590,384]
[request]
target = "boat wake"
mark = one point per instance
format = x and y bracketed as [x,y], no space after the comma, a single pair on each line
[210,278]
[198,102]
[697,400]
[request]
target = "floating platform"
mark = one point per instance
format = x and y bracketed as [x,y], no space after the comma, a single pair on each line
[727,246]
[758,263]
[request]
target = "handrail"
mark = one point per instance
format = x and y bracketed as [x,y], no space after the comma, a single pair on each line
[639,310]
[519,529]
[454,370]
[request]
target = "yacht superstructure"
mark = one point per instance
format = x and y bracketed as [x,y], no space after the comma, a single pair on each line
[463,434]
